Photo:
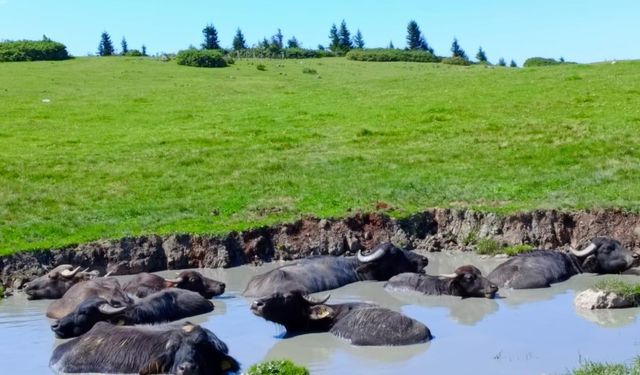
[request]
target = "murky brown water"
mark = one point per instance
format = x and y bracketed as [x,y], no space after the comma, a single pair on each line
[523,332]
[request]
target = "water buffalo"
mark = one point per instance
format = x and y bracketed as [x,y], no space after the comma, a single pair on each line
[144,284]
[56,282]
[185,349]
[320,273]
[104,287]
[540,268]
[359,323]
[466,281]
[163,306]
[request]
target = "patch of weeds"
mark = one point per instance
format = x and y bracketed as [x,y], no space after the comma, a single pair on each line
[595,368]
[470,239]
[488,246]
[619,287]
[1,291]
[517,249]
[261,67]
[309,71]
[365,133]
[278,367]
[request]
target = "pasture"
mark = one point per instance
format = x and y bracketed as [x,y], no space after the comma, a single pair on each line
[107,147]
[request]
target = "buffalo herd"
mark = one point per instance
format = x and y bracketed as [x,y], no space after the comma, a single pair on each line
[130,328]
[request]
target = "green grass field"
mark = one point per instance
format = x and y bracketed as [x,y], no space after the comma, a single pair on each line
[128,146]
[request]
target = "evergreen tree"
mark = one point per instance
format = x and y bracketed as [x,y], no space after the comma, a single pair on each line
[210,38]
[391,46]
[334,39]
[264,43]
[320,47]
[293,43]
[501,62]
[144,50]
[239,43]
[345,37]
[561,59]
[513,64]
[481,56]
[358,41]
[278,40]
[456,51]
[125,47]
[45,38]
[105,48]
[424,45]
[414,37]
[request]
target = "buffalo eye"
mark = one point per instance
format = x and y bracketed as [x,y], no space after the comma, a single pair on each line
[192,280]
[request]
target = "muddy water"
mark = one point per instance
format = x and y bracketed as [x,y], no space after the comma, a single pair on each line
[522,332]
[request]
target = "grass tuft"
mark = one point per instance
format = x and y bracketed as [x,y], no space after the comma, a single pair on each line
[595,368]
[277,367]
[488,246]
[619,287]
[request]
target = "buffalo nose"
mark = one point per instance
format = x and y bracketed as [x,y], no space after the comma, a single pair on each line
[222,286]
[55,325]
[185,368]
[257,304]
[635,255]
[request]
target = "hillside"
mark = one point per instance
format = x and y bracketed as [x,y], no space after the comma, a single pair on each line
[124,146]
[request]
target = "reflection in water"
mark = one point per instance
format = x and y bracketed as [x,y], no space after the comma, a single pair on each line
[523,332]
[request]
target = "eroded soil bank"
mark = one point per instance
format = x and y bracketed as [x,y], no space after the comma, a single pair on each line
[428,231]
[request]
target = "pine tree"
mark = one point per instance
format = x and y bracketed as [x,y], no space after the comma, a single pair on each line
[239,43]
[105,48]
[293,43]
[358,41]
[125,47]
[391,46]
[481,56]
[210,38]
[278,40]
[334,39]
[456,51]
[501,62]
[424,46]
[413,35]
[345,37]
[320,47]
[513,64]
[144,50]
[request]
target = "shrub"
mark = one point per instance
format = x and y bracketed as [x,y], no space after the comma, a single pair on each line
[456,60]
[31,50]
[281,367]
[261,67]
[386,54]
[309,71]
[133,52]
[1,291]
[301,53]
[542,61]
[201,58]
[517,249]
[488,246]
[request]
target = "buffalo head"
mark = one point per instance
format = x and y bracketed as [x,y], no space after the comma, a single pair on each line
[56,282]
[385,261]
[469,282]
[85,316]
[192,350]
[605,255]
[194,281]
[294,310]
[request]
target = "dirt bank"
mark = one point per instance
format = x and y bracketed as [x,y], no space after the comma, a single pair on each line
[431,230]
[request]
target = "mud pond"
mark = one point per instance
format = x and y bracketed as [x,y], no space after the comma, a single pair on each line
[521,332]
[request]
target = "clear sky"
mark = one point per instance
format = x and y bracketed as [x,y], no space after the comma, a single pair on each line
[582,31]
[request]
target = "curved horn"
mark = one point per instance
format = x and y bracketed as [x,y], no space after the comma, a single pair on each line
[108,274]
[174,281]
[70,273]
[319,302]
[586,251]
[449,275]
[107,309]
[373,256]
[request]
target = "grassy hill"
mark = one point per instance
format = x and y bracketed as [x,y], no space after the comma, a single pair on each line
[125,146]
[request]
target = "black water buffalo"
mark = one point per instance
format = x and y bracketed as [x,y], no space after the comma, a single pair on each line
[185,349]
[56,282]
[103,287]
[540,268]
[359,323]
[144,284]
[466,281]
[320,273]
[163,306]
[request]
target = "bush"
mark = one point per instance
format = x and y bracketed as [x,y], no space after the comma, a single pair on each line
[488,246]
[517,249]
[387,54]
[542,61]
[456,60]
[31,50]
[1,291]
[281,367]
[287,53]
[205,58]
[309,71]
[301,53]
[261,67]
[133,52]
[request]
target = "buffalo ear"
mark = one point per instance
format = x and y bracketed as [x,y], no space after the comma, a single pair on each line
[365,268]
[157,365]
[229,364]
[590,264]
[318,312]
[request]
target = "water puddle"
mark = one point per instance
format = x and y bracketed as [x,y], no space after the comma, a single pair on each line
[522,332]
